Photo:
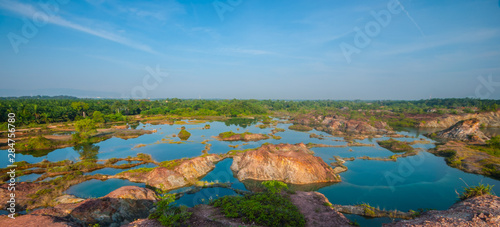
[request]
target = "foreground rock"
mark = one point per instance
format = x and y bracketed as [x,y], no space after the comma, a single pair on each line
[284,162]
[317,214]
[35,220]
[23,190]
[466,130]
[121,206]
[310,204]
[477,211]
[187,172]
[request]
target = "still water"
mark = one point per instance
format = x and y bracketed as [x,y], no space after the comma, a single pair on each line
[422,181]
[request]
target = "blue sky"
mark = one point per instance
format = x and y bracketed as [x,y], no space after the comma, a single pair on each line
[252,49]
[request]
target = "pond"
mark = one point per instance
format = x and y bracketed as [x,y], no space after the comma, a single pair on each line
[421,181]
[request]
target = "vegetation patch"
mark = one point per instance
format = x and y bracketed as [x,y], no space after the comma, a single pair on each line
[301,128]
[168,214]
[183,134]
[36,143]
[268,208]
[171,164]
[395,146]
[474,191]
[225,135]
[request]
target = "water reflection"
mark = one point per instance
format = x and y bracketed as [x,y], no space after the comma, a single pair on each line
[241,122]
[87,151]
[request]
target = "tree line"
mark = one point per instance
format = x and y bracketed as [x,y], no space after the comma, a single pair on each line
[44,109]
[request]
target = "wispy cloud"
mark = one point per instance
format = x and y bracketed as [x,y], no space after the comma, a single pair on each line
[27,10]
[429,42]
[411,18]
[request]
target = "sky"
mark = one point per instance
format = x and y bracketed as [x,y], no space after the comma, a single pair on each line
[251,49]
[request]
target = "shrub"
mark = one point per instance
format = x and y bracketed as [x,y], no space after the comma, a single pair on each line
[168,214]
[225,135]
[274,186]
[474,191]
[183,134]
[302,128]
[395,145]
[36,143]
[85,127]
[267,209]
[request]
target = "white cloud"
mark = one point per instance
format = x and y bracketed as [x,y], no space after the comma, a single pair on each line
[27,10]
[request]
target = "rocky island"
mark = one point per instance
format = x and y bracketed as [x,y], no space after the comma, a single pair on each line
[246,136]
[289,163]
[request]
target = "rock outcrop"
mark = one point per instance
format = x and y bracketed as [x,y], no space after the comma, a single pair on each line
[465,130]
[317,214]
[170,178]
[488,119]
[477,211]
[284,162]
[35,220]
[121,206]
[340,125]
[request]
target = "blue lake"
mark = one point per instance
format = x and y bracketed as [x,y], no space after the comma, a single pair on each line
[422,181]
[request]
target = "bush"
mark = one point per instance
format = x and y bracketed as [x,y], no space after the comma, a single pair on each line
[274,186]
[479,190]
[225,135]
[395,146]
[168,214]
[494,142]
[267,209]
[85,128]
[4,126]
[36,143]
[302,128]
[184,135]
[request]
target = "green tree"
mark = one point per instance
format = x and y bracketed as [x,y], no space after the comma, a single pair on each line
[80,107]
[85,128]
[98,117]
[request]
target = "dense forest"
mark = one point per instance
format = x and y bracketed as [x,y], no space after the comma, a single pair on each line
[44,109]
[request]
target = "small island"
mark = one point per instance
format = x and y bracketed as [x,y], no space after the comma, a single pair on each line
[246,136]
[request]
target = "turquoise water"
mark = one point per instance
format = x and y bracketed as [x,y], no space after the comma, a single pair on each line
[29,177]
[422,181]
[96,188]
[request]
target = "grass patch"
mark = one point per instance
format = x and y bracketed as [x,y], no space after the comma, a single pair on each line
[168,214]
[492,170]
[138,170]
[278,130]
[36,143]
[144,157]
[171,164]
[225,135]
[184,134]
[302,128]
[395,146]
[486,149]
